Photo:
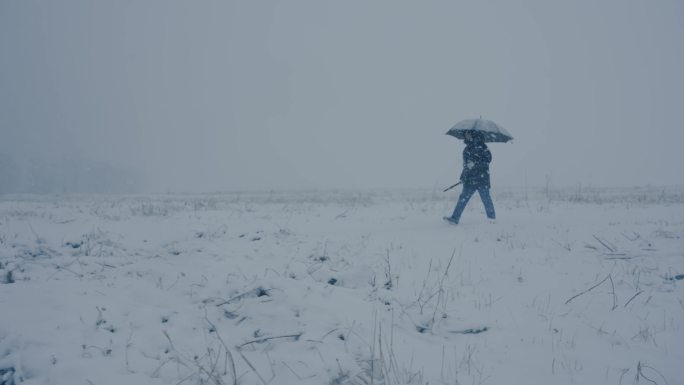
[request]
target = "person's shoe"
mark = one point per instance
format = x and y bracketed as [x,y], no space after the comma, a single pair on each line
[451,220]
[492,220]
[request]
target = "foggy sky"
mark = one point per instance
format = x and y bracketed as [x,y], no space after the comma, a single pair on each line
[239,95]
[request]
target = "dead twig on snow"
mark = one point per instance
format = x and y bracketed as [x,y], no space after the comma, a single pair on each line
[594,287]
[611,249]
[634,296]
[260,340]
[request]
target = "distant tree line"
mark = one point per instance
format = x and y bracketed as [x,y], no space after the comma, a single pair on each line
[66,175]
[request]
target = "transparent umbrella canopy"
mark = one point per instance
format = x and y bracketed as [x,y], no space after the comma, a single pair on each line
[492,132]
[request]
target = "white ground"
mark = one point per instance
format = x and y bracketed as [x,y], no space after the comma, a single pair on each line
[218,289]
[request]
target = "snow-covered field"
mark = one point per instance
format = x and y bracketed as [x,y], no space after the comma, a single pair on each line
[567,287]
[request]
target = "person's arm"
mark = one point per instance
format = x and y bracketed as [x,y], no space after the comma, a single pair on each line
[467,163]
[487,156]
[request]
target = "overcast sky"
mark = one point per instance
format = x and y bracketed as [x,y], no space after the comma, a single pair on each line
[235,95]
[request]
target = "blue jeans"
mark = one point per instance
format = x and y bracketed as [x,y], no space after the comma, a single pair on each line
[468,192]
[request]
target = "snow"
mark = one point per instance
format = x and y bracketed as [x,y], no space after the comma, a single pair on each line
[342,287]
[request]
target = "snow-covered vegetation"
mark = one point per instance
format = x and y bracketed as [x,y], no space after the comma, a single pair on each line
[579,286]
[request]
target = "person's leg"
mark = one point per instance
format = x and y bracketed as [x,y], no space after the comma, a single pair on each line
[462,200]
[487,201]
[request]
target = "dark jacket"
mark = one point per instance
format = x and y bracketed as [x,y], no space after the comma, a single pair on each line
[476,159]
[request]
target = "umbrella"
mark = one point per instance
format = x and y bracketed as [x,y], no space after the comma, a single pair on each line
[491,131]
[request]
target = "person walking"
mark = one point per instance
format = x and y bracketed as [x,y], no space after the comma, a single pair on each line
[475,175]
